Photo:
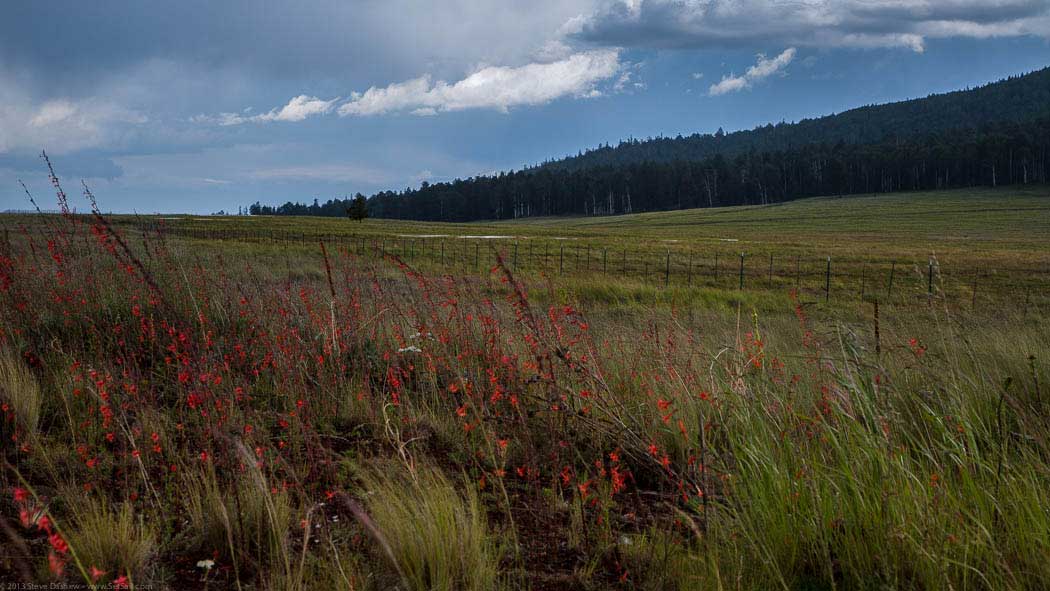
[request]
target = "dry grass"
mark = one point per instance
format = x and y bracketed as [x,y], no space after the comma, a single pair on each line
[438,535]
[19,389]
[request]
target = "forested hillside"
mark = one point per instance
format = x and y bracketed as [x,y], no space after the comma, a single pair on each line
[997,134]
[1015,99]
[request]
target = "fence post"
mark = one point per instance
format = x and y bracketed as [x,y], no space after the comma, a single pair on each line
[741,271]
[827,282]
[929,278]
[587,261]
[716,268]
[667,269]
[515,263]
[889,288]
[689,272]
[605,261]
[771,269]
[623,269]
[878,338]
[561,259]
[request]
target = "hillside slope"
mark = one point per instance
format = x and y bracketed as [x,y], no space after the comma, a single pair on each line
[1014,99]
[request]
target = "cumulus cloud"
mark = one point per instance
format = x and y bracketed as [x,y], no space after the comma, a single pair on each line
[763,68]
[493,87]
[297,109]
[820,23]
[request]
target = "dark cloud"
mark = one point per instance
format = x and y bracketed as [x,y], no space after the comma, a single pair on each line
[835,23]
[290,39]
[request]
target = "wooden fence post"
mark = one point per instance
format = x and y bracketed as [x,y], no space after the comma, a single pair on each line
[827,282]
[889,287]
[741,271]
[667,269]
[605,261]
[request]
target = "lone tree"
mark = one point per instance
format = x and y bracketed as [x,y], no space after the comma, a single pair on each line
[358,209]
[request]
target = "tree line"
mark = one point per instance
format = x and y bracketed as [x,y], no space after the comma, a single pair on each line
[989,155]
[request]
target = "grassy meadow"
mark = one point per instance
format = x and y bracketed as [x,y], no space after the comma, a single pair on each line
[297,403]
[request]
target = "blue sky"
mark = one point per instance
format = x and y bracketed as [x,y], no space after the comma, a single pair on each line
[198,106]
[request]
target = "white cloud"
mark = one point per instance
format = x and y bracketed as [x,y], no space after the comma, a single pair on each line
[763,68]
[492,87]
[297,109]
[811,23]
[727,85]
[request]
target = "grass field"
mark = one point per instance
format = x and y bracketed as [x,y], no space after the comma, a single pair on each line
[272,403]
[990,241]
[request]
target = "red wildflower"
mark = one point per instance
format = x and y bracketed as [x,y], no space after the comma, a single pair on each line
[56,564]
[58,543]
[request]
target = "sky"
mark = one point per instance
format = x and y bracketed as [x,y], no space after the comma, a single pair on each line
[199,106]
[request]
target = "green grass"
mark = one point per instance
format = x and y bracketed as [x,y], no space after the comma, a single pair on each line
[975,224]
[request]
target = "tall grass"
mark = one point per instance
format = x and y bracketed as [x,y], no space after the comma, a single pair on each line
[112,539]
[20,390]
[437,535]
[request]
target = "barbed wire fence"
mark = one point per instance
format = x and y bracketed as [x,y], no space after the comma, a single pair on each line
[816,277]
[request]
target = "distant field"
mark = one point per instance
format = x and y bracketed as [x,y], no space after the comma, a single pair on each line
[897,247]
[992,241]
[977,224]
